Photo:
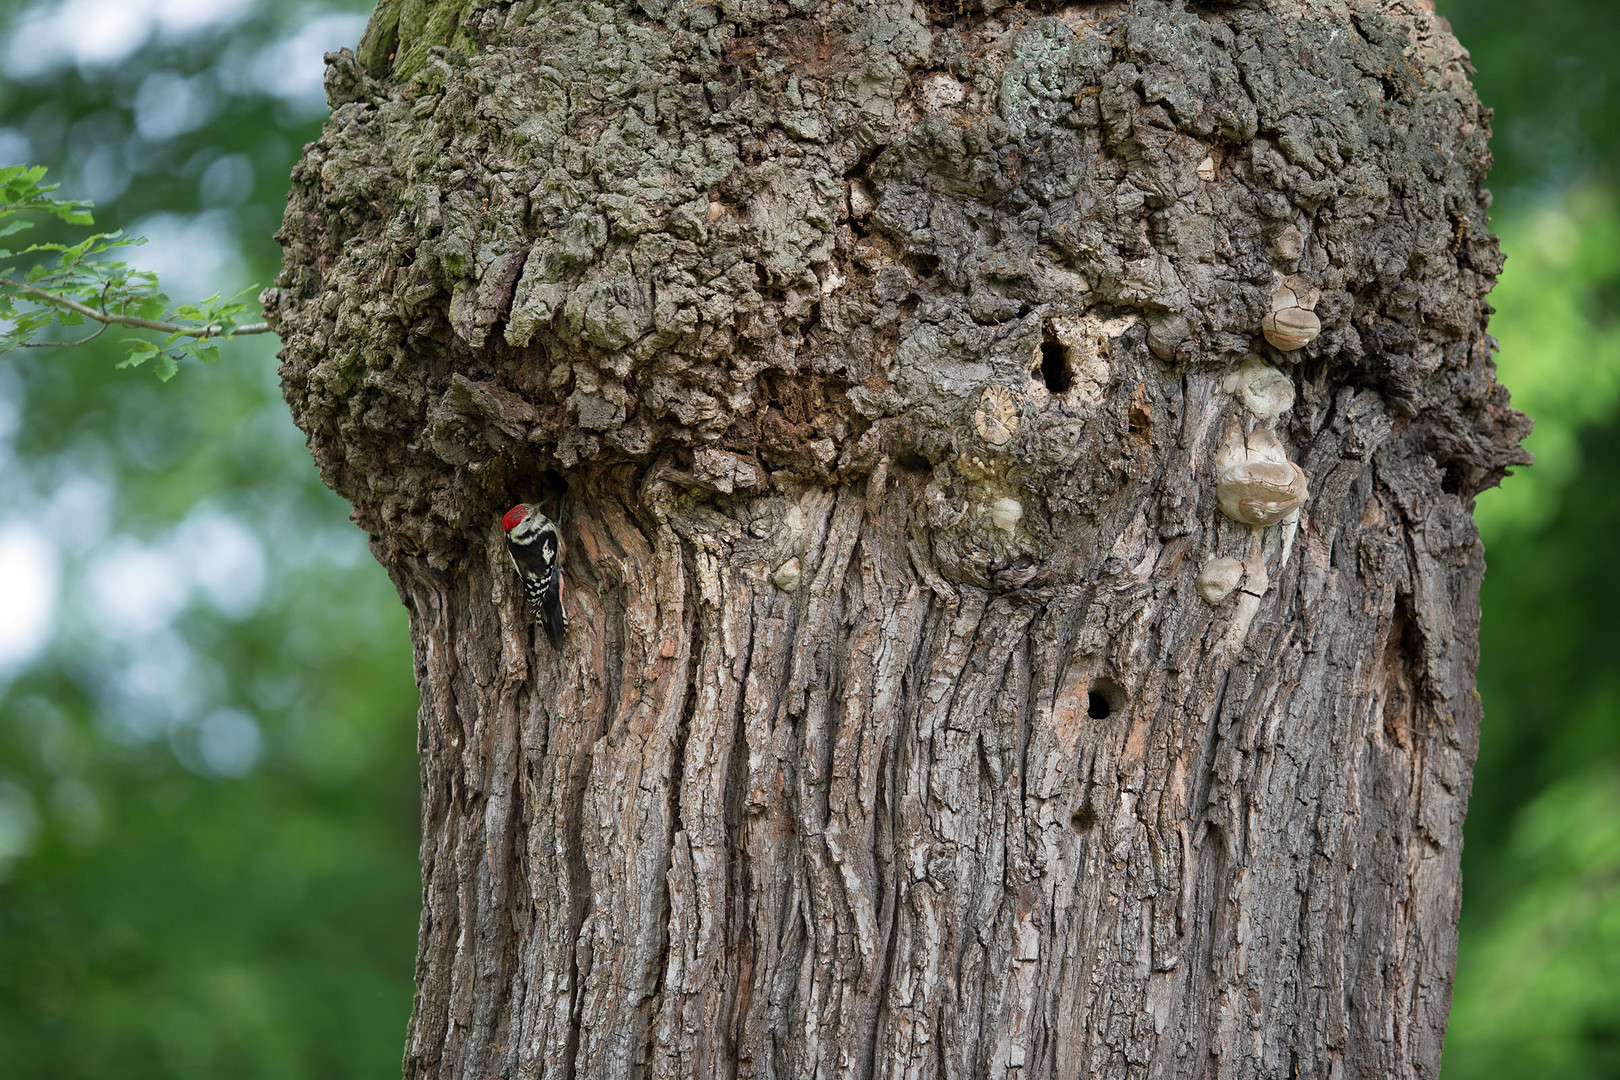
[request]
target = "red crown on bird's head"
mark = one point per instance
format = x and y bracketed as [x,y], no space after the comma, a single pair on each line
[514,516]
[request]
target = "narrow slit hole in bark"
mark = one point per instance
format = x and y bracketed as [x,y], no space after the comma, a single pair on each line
[862,163]
[546,489]
[1055,364]
[1451,481]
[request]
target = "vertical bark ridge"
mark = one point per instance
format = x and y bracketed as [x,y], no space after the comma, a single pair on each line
[908,848]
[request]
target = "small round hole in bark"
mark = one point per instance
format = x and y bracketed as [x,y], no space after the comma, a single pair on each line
[923,265]
[1104,699]
[1055,364]
[1083,819]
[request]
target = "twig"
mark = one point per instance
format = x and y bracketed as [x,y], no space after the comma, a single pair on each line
[129,320]
[64,344]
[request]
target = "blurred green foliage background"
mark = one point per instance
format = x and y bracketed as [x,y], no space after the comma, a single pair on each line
[208,815]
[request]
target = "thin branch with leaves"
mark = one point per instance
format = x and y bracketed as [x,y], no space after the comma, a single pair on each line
[81,285]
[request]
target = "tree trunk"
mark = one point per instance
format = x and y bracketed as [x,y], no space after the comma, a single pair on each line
[960,680]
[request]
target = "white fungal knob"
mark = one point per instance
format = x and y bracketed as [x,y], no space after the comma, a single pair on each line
[1006,514]
[1263,390]
[1257,484]
[1218,578]
[787,576]
[1291,323]
[1288,244]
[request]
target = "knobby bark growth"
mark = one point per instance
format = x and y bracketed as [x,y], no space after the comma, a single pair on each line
[922,712]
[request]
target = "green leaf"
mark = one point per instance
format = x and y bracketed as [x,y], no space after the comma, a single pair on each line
[140,351]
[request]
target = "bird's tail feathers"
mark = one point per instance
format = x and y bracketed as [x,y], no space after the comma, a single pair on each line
[552,617]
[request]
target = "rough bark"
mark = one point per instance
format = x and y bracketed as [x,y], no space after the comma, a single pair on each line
[885,360]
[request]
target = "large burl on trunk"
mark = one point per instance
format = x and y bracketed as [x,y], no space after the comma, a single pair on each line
[922,712]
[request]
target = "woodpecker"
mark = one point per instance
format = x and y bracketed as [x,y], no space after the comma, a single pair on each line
[536,550]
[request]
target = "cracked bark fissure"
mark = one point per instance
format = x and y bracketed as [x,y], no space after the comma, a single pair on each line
[880,359]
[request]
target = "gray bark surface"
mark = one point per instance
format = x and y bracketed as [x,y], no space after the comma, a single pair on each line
[885,360]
